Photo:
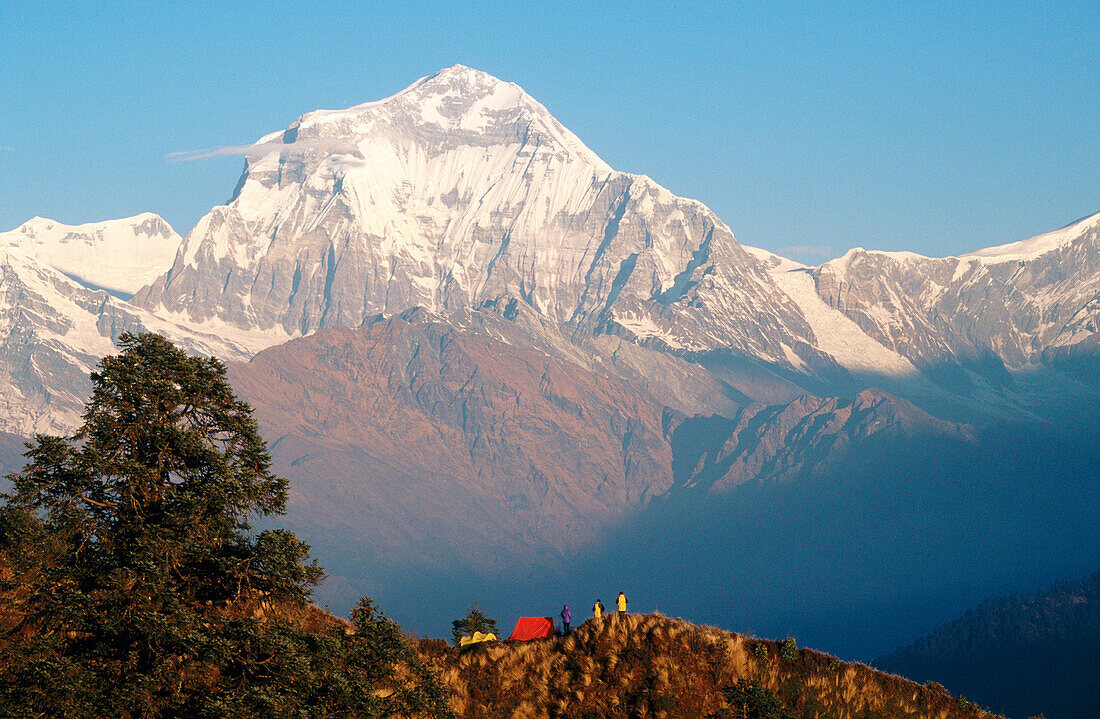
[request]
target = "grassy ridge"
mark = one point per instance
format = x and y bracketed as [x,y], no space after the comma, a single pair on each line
[655,666]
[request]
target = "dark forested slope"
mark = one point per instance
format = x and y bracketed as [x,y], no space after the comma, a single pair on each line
[1018,655]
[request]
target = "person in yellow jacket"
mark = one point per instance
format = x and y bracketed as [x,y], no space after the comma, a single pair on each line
[621,603]
[597,609]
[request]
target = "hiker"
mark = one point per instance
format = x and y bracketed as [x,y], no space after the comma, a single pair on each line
[566,617]
[597,609]
[621,602]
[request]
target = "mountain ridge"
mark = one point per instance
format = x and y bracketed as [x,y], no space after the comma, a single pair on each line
[344,215]
[120,256]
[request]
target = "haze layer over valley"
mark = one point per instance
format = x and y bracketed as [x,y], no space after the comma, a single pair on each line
[487,359]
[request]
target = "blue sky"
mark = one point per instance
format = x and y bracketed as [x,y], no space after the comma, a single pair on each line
[808,129]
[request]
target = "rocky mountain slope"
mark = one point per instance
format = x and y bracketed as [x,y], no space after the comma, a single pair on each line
[997,309]
[425,432]
[761,443]
[544,446]
[57,319]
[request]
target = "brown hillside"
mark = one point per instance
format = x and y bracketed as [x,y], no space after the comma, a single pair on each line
[411,428]
[654,666]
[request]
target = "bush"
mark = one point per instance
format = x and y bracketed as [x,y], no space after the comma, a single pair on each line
[664,703]
[760,651]
[788,649]
[756,699]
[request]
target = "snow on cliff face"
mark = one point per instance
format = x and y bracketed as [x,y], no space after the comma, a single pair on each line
[61,311]
[1039,245]
[1011,302]
[463,192]
[120,256]
[462,189]
[53,331]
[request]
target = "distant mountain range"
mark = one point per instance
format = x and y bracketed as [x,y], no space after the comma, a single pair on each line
[483,357]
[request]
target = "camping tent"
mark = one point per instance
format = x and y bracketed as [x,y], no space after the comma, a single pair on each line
[532,628]
[477,638]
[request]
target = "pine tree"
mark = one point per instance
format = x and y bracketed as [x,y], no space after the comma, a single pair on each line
[129,567]
[474,621]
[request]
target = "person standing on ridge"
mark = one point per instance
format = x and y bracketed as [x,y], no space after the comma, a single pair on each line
[566,617]
[621,603]
[597,609]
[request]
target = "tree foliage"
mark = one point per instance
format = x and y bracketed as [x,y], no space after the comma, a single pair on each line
[754,701]
[133,585]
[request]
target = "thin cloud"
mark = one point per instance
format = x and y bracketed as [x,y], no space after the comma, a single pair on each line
[225,151]
[330,145]
[5,148]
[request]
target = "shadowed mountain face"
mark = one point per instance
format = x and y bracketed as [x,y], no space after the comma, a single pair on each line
[781,443]
[1019,655]
[11,456]
[503,448]
[859,554]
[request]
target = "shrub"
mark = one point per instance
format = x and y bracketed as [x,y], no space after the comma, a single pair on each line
[788,649]
[664,703]
[759,702]
[760,651]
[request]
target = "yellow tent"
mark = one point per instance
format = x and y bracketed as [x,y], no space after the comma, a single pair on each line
[477,638]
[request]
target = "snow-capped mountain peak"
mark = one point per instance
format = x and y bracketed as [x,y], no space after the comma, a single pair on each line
[121,256]
[461,194]
[1040,244]
[459,190]
[453,106]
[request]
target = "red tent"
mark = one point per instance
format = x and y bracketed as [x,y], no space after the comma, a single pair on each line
[532,628]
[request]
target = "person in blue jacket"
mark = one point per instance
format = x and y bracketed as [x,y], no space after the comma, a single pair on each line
[566,617]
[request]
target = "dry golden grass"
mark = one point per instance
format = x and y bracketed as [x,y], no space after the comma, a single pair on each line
[654,666]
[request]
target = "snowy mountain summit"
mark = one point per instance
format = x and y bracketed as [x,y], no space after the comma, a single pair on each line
[461,194]
[460,190]
[121,256]
[455,106]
